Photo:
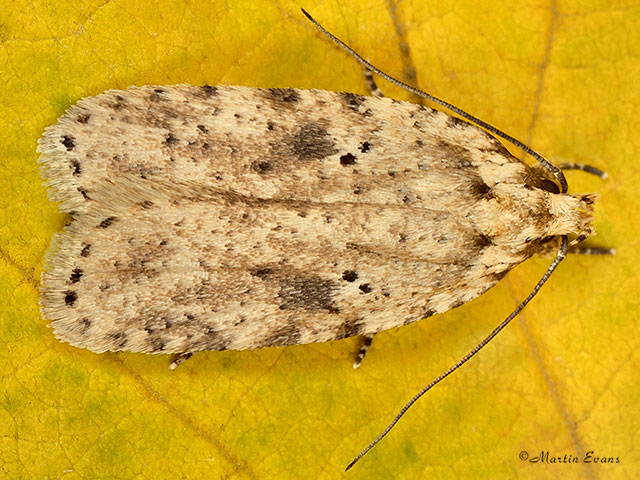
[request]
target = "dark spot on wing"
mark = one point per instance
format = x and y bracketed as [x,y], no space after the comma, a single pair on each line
[311,142]
[76,167]
[365,288]
[262,272]
[482,241]
[157,344]
[349,275]
[119,339]
[364,147]
[171,139]
[69,142]
[207,91]
[349,328]
[119,102]
[479,188]
[454,154]
[455,122]
[286,335]
[352,101]
[157,95]
[106,222]
[347,159]
[86,250]
[83,118]
[285,95]
[70,298]
[261,167]
[75,276]
[307,293]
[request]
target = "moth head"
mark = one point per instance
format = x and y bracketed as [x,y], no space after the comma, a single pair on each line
[569,214]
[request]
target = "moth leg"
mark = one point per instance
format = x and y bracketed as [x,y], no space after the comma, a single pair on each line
[585,168]
[366,343]
[551,246]
[371,83]
[592,250]
[180,359]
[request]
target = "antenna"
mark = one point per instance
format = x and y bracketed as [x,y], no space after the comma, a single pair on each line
[562,252]
[557,173]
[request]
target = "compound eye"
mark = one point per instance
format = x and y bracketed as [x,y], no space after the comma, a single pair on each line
[550,186]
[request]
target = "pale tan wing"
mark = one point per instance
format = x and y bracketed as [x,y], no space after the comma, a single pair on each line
[277,143]
[232,217]
[173,268]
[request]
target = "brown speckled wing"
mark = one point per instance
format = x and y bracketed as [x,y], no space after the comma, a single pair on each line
[210,218]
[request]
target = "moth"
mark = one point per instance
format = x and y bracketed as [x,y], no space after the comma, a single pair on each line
[229,217]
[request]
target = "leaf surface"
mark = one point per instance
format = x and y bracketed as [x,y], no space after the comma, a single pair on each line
[561,379]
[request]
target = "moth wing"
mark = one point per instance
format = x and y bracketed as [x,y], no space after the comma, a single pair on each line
[174,268]
[272,143]
[231,217]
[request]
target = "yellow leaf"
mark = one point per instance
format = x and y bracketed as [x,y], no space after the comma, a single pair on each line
[561,379]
